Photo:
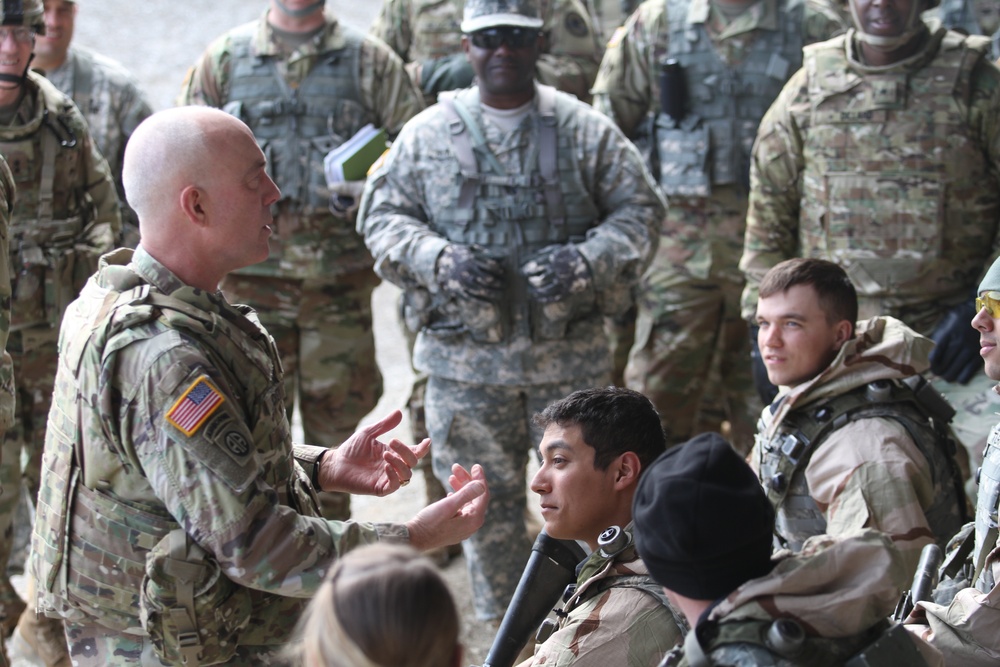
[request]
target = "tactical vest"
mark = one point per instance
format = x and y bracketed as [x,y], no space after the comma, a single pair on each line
[50,214]
[783,643]
[987,504]
[786,456]
[891,163]
[297,127]
[89,547]
[711,145]
[513,215]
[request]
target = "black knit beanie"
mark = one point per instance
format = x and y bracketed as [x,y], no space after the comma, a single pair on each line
[703,524]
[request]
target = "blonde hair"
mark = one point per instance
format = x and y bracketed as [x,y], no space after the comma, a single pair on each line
[380,606]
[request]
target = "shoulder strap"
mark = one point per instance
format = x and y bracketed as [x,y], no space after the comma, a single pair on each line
[548,155]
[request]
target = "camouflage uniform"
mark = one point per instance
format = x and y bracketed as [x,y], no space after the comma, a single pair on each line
[617,616]
[424,30]
[313,293]
[7,195]
[838,591]
[492,365]
[688,320]
[109,98]
[974,17]
[132,356]
[876,470]
[967,629]
[870,175]
[65,216]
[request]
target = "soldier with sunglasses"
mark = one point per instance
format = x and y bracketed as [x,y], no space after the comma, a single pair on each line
[515,218]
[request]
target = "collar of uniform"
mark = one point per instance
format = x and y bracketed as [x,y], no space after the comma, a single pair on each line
[762,15]
[330,39]
[154,273]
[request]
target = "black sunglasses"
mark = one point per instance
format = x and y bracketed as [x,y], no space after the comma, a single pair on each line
[514,38]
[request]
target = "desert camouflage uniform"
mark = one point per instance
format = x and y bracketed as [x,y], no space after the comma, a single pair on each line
[688,323]
[870,175]
[838,590]
[7,195]
[133,346]
[481,394]
[617,616]
[313,293]
[974,17]
[57,234]
[109,98]
[870,472]
[424,30]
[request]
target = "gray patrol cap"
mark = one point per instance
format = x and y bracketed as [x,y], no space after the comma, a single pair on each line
[482,14]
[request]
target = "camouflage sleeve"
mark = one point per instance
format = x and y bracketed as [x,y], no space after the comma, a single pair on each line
[822,20]
[205,81]
[776,166]
[627,89]
[573,53]
[966,631]
[387,91]
[870,474]
[622,626]
[7,194]
[621,246]
[393,217]
[204,469]
[984,116]
[392,26]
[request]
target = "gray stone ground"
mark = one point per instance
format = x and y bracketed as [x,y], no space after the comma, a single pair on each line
[158,40]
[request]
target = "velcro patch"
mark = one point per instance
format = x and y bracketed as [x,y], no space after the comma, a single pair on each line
[196,405]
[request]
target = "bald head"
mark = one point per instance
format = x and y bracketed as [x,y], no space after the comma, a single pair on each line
[196,178]
[167,152]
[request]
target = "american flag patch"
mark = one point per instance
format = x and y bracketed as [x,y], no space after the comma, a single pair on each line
[194,407]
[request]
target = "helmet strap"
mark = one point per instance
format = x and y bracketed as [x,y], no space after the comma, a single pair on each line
[914,28]
[299,13]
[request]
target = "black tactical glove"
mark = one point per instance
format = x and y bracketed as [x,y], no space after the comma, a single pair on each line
[345,198]
[557,272]
[761,382]
[447,73]
[955,356]
[467,272]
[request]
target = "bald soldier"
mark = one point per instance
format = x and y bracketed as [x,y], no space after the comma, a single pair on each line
[168,442]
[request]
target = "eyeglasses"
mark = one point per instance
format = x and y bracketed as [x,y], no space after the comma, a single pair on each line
[991,302]
[514,38]
[21,34]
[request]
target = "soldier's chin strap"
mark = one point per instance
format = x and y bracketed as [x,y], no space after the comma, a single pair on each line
[299,13]
[915,27]
[16,80]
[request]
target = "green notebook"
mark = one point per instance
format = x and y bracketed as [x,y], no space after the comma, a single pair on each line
[350,160]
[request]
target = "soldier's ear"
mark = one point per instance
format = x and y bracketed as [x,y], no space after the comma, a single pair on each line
[192,203]
[627,472]
[844,331]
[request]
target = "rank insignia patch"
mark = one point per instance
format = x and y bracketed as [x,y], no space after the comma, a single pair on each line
[196,405]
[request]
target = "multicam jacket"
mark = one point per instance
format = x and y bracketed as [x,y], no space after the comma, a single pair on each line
[838,590]
[870,472]
[414,206]
[892,173]
[301,105]
[109,98]
[7,195]
[422,30]
[168,412]
[616,616]
[66,211]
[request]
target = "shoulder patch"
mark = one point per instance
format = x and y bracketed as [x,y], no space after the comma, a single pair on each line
[575,25]
[196,405]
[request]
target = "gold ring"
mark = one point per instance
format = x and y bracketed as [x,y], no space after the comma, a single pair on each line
[404,482]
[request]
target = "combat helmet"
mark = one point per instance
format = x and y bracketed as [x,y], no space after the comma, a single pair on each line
[23,12]
[482,14]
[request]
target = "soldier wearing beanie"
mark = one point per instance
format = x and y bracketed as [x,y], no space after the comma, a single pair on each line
[703,527]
